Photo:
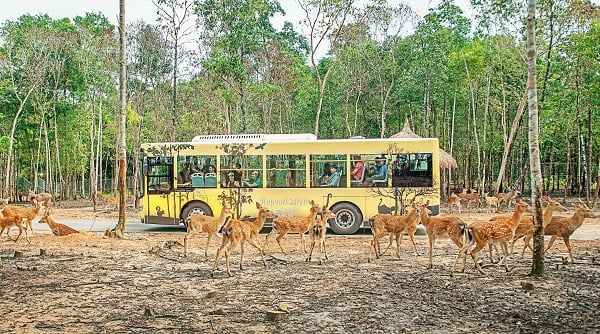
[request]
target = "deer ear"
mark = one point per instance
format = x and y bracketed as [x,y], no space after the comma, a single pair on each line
[257,205]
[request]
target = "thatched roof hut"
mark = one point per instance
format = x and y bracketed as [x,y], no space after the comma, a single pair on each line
[446,160]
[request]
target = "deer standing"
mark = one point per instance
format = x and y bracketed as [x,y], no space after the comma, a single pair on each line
[564,227]
[437,227]
[317,233]
[491,232]
[492,201]
[454,200]
[38,199]
[470,198]
[27,214]
[395,225]
[283,225]
[238,232]
[6,222]
[201,223]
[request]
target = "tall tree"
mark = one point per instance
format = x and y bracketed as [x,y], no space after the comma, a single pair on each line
[122,162]
[535,167]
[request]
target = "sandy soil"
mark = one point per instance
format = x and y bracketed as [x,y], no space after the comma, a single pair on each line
[87,283]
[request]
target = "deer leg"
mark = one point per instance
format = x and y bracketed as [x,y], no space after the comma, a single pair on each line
[325,249]
[412,238]
[491,254]
[227,253]
[262,254]
[550,243]
[223,244]
[242,254]
[474,252]
[20,232]
[279,237]
[526,245]
[431,242]
[388,246]
[504,247]
[568,244]
[312,246]
[273,231]
[320,251]
[462,253]
[210,235]
[398,241]
[303,243]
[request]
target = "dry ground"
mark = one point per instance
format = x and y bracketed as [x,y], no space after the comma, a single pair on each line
[87,283]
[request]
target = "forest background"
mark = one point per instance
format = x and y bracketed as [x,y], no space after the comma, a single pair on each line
[220,67]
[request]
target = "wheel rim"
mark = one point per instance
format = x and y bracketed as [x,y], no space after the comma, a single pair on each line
[196,211]
[345,218]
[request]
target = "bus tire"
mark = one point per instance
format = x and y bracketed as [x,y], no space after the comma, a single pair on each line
[348,218]
[194,208]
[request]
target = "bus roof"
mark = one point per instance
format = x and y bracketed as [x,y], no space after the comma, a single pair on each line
[253,138]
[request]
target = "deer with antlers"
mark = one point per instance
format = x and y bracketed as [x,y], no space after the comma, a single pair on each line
[393,225]
[284,225]
[438,227]
[200,223]
[482,233]
[236,232]
[317,233]
[564,227]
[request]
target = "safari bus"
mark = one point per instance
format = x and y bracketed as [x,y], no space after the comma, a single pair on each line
[356,178]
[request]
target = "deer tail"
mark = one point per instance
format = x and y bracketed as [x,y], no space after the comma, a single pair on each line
[467,235]
[227,230]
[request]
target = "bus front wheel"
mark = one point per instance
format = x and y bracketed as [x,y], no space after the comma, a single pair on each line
[348,219]
[195,208]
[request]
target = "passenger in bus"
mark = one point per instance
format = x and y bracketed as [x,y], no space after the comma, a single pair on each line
[334,178]
[357,171]
[211,171]
[254,181]
[231,182]
[238,172]
[207,166]
[324,178]
[280,175]
[382,169]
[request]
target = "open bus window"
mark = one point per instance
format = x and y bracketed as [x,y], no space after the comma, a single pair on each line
[241,171]
[286,171]
[196,171]
[412,170]
[160,175]
[369,170]
[328,170]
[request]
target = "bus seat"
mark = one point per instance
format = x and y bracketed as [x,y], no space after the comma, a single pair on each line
[382,181]
[210,180]
[197,180]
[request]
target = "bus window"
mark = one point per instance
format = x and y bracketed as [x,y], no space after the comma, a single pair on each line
[241,171]
[328,170]
[286,171]
[368,170]
[160,175]
[412,170]
[196,171]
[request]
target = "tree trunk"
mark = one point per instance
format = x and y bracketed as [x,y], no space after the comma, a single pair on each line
[537,268]
[120,228]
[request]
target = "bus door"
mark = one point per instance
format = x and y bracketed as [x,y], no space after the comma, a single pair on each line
[160,198]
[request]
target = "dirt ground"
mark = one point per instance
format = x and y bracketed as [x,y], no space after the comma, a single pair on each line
[87,283]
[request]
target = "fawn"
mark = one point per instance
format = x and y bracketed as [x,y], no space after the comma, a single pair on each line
[565,226]
[470,198]
[492,232]
[317,233]
[58,229]
[453,200]
[436,227]
[6,222]
[492,201]
[238,232]
[28,215]
[395,225]
[284,225]
[202,223]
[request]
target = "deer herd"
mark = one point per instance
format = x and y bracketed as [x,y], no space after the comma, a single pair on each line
[469,239]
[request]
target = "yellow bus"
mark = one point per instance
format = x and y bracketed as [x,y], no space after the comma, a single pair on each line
[357,178]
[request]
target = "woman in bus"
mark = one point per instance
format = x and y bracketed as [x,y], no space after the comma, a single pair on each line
[357,172]
[334,178]
[324,178]
[280,175]
[231,182]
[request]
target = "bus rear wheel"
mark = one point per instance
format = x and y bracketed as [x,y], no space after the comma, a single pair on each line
[195,208]
[348,219]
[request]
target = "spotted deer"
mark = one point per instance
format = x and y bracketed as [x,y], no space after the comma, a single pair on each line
[284,225]
[6,222]
[200,223]
[317,233]
[395,225]
[564,227]
[58,229]
[449,226]
[27,214]
[482,233]
[492,202]
[454,200]
[470,198]
[38,199]
[236,232]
